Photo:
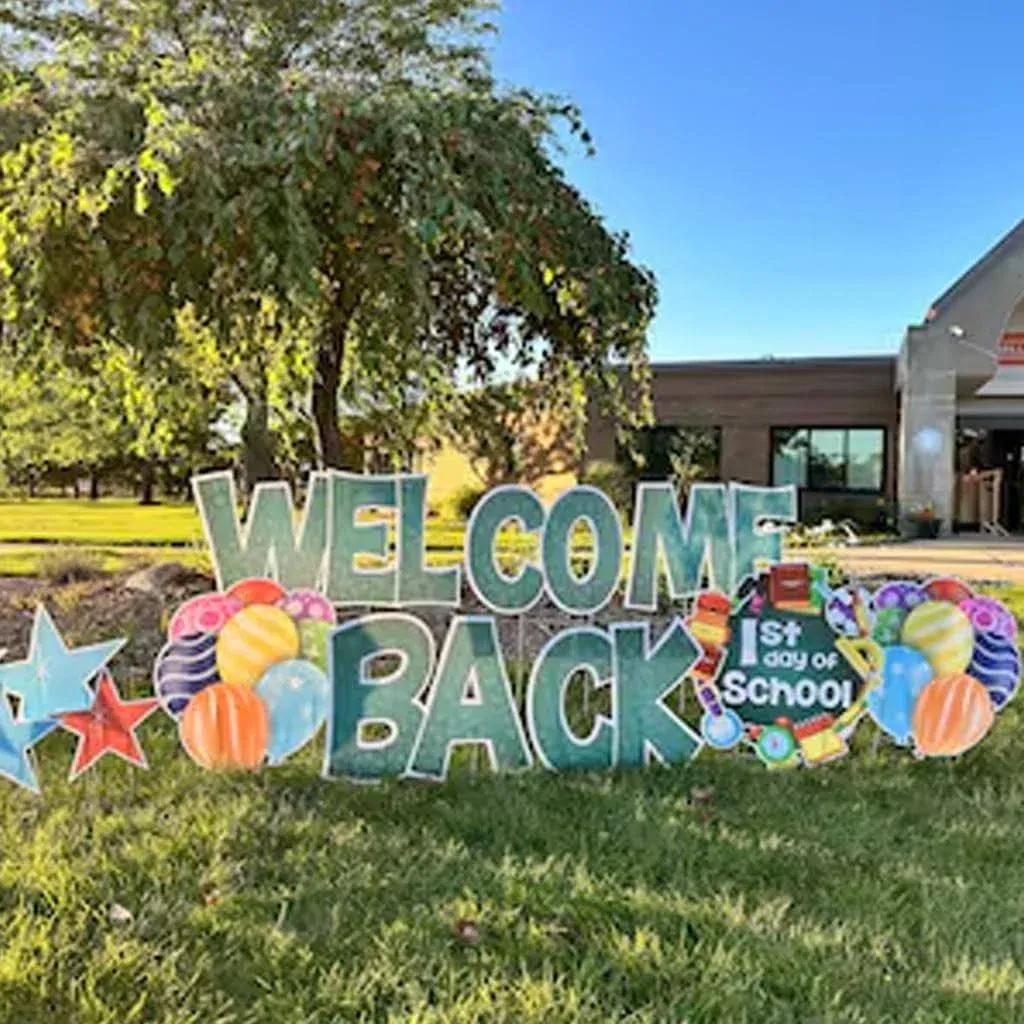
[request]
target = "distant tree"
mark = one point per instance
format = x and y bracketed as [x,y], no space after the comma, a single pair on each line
[350,163]
[693,456]
[61,420]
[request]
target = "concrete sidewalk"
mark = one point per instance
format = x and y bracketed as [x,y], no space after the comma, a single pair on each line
[981,559]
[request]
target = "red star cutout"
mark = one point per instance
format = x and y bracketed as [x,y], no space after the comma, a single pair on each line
[109,725]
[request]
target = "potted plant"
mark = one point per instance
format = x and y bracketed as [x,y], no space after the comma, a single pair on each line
[922,521]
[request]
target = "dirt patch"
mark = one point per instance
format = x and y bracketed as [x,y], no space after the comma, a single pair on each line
[89,611]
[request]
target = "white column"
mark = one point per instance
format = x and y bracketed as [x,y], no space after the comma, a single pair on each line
[928,425]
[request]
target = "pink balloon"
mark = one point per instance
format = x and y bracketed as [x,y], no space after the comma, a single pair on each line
[990,616]
[206,613]
[308,604]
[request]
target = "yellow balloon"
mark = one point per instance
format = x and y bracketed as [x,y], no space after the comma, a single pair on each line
[257,637]
[942,633]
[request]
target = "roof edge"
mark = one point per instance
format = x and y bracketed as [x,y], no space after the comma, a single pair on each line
[1012,237]
[878,359]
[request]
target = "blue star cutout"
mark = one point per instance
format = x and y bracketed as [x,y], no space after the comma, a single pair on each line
[15,740]
[54,678]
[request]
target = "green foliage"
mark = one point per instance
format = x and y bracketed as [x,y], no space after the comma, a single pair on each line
[107,409]
[466,500]
[867,512]
[614,479]
[682,454]
[335,195]
[68,565]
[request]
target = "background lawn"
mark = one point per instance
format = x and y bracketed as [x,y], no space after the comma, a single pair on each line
[115,534]
[107,521]
[873,890]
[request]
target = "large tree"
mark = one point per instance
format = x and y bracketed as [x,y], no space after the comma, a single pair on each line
[349,164]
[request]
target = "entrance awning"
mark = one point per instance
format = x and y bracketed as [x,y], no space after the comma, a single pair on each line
[1008,382]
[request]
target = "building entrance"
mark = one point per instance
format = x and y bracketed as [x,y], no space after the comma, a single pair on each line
[990,478]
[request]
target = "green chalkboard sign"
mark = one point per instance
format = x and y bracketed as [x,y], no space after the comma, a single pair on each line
[785,665]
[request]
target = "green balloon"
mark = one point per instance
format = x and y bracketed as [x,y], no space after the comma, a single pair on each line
[888,622]
[313,637]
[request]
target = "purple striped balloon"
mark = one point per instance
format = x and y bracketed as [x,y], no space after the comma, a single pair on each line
[183,668]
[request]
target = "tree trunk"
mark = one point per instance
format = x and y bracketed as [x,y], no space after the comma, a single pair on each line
[330,449]
[94,484]
[147,484]
[257,444]
[325,405]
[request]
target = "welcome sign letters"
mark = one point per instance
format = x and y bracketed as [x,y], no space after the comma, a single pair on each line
[317,622]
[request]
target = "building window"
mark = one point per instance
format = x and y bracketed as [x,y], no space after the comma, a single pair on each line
[829,459]
[789,457]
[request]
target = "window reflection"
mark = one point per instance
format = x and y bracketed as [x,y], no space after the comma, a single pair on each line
[829,458]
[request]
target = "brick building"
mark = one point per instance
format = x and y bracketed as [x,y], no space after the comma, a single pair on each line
[915,427]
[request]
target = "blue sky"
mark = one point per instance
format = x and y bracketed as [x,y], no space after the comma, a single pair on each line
[803,176]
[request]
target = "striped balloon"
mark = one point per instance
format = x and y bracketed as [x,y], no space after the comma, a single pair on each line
[183,668]
[952,713]
[996,665]
[942,633]
[259,636]
[225,727]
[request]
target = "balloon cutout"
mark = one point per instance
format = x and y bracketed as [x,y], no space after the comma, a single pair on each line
[259,636]
[893,602]
[996,665]
[295,693]
[905,673]
[252,685]
[951,591]
[256,591]
[204,614]
[989,616]
[313,637]
[901,595]
[849,612]
[184,667]
[226,727]
[942,633]
[307,604]
[952,713]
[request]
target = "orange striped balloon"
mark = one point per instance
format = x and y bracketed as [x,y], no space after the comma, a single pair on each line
[227,728]
[951,714]
[257,637]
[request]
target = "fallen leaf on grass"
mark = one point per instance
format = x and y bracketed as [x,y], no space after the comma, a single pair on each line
[702,798]
[120,915]
[467,932]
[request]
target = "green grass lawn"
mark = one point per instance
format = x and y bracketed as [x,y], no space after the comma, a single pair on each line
[869,891]
[108,521]
[117,534]
[874,890]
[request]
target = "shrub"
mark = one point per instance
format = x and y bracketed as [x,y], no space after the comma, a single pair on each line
[466,498]
[613,479]
[870,513]
[70,566]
